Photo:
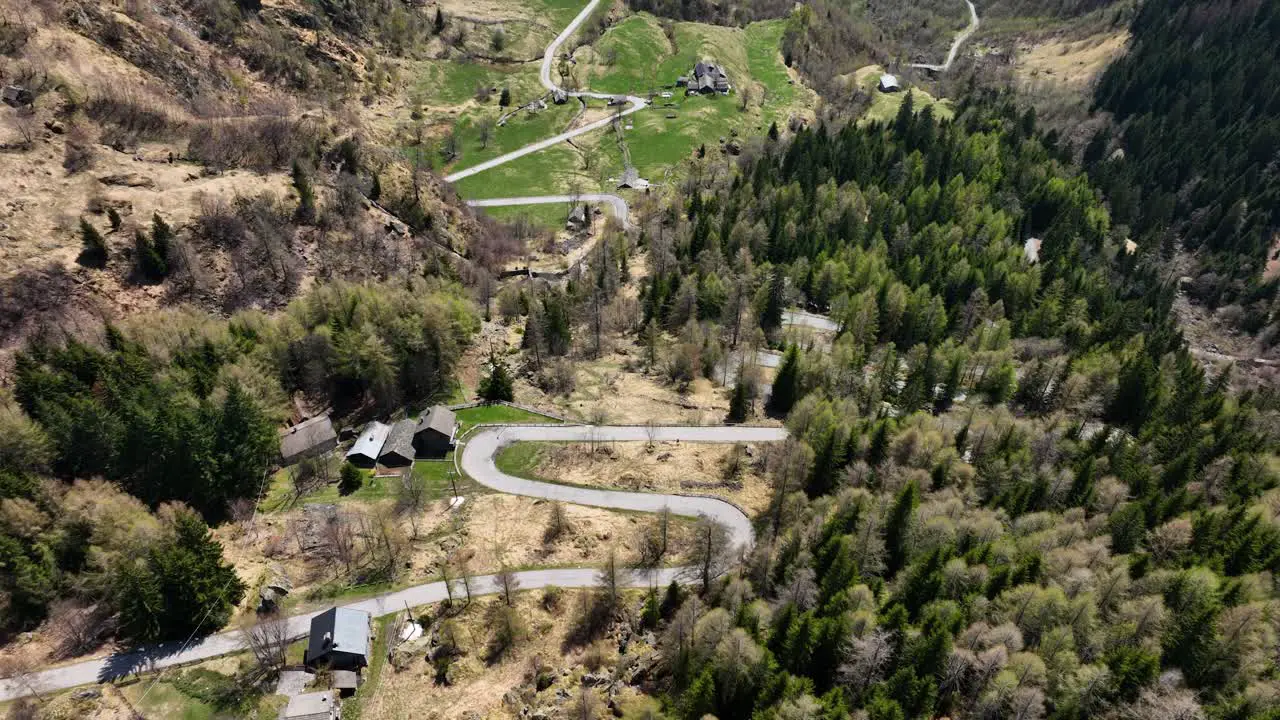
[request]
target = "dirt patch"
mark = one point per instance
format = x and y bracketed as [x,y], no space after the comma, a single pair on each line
[665,467]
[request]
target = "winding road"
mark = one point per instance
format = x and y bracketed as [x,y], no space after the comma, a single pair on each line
[619,205]
[961,37]
[478,461]
[548,60]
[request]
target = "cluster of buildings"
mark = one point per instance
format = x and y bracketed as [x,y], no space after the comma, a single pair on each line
[391,445]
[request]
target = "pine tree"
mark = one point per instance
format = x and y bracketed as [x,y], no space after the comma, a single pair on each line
[773,131]
[150,266]
[771,318]
[740,401]
[786,385]
[498,386]
[161,238]
[898,528]
[375,188]
[438,25]
[113,217]
[94,251]
[504,99]
[306,212]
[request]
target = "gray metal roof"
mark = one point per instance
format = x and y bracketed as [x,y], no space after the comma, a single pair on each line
[341,630]
[306,435]
[889,81]
[369,444]
[400,440]
[439,418]
[310,706]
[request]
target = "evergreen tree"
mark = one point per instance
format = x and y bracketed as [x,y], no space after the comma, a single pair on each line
[149,264]
[113,217]
[375,188]
[786,385]
[181,587]
[438,25]
[350,478]
[504,99]
[498,386]
[740,401]
[773,131]
[306,212]
[898,526]
[94,251]
[775,303]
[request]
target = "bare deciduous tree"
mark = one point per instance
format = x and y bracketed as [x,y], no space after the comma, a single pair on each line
[866,659]
[711,549]
[508,582]
[557,522]
[268,640]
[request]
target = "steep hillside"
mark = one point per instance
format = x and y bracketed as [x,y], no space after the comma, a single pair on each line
[264,138]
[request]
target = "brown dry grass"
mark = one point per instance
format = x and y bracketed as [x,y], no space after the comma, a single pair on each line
[665,467]
[479,688]
[1071,62]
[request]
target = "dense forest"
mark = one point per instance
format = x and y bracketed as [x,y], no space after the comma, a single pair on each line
[1197,101]
[178,414]
[1010,492]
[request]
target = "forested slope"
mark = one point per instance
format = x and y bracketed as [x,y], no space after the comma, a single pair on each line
[1012,492]
[1197,99]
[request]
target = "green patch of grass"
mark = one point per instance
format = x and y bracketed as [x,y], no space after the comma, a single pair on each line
[449,82]
[550,216]
[520,129]
[638,47]
[200,693]
[556,13]
[547,172]
[497,414]
[280,494]
[521,459]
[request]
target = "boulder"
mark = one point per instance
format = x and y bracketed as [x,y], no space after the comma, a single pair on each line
[128,180]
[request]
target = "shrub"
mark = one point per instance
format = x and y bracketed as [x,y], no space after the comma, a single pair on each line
[94,251]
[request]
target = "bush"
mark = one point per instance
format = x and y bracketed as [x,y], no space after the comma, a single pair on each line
[350,479]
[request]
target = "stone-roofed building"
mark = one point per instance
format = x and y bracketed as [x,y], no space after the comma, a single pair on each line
[311,706]
[307,439]
[708,78]
[364,453]
[398,451]
[433,436]
[340,639]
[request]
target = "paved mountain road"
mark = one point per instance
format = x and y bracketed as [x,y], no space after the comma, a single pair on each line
[961,37]
[544,75]
[482,448]
[478,461]
[620,209]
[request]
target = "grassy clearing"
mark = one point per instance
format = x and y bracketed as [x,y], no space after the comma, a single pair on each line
[521,129]
[374,489]
[556,13]
[202,692]
[884,106]
[446,82]
[550,171]
[550,216]
[497,414]
[637,45]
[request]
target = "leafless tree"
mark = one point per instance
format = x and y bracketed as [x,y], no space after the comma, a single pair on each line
[78,627]
[484,131]
[610,579]
[462,565]
[338,538]
[268,640]
[411,498]
[508,582]
[19,668]
[866,658]
[557,522]
[712,545]
[586,706]
[803,588]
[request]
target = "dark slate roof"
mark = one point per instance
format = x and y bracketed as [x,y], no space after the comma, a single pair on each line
[439,418]
[309,706]
[400,440]
[306,435]
[341,630]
